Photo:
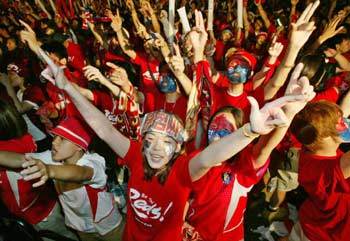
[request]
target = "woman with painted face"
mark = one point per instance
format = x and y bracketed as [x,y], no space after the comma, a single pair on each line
[324,172]
[220,197]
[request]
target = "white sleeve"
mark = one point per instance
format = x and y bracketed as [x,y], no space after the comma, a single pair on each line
[97,163]
[45,157]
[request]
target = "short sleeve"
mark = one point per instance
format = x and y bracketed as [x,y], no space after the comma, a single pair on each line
[245,168]
[182,169]
[134,155]
[97,163]
[45,157]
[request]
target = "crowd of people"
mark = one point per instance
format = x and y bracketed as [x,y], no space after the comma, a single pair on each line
[142,120]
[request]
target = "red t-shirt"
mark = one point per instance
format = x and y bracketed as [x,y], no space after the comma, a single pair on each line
[179,107]
[76,58]
[155,211]
[31,204]
[325,214]
[221,98]
[148,87]
[126,121]
[222,187]
[331,94]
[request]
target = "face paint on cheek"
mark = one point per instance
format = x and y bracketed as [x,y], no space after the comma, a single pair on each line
[219,128]
[169,150]
[167,84]
[343,129]
[238,74]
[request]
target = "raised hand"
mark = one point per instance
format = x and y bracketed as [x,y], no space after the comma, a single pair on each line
[35,169]
[264,120]
[163,15]
[176,62]
[93,73]
[117,22]
[198,36]
[275,49]
[331,29]
[119,76]
[303,28]
[130,5]
[298,86]
[294,2]
[28,36]
[146,6]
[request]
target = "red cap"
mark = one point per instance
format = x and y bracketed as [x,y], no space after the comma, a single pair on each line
[245,55]
[74,131]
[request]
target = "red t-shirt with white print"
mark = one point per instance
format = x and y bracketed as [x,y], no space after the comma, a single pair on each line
[126,121]
[148,87]
[220,198]
[155,211]
[31,204]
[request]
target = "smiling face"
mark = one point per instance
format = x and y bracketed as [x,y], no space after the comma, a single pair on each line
[63,149]
[159,149]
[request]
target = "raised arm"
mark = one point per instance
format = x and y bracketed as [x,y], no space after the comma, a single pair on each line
[330,30]
[123,42]
[301,31]
[96,119]
[263,14]
[145,4]
[297,86]
[274,51]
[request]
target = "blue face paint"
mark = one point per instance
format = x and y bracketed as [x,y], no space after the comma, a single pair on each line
[217,134]
[343,128]
[238,74]
[167,84]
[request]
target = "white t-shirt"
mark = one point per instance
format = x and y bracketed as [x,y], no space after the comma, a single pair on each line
[88,208]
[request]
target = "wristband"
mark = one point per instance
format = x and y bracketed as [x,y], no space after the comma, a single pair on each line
[247,131]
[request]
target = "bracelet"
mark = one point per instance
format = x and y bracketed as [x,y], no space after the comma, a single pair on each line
[248,132]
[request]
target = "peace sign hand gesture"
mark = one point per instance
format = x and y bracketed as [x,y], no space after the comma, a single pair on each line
[303,28]
[198,37]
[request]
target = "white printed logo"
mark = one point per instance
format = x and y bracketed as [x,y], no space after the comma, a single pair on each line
[145,207]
